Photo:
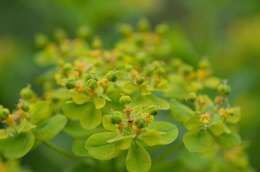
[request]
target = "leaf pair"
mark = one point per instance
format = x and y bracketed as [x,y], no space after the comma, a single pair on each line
[87,114]
[18,145]
[138,159]
[108,145]
[205,141]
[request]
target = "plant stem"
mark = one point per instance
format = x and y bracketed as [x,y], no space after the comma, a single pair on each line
[113,165]
[60,151]
[167,152]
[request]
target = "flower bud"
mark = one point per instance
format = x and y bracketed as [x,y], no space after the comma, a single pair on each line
[41,40]
[92,83]
[25,106]
[154,113]
[204,64]
[60,35]
[224,89]
[84,32]
[97,43]
[205,118]
[126,29]
[125,99]
[116,119]
[4,112]
[191,97]
[67,68]
[161,29]
[10,120]
[140,123]
[187,70]
[140,80]
[143,25]
[70,84]
[223,113]
[111,76]
[26,93]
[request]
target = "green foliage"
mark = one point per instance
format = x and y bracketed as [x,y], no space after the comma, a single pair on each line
[131,99]
[138,159]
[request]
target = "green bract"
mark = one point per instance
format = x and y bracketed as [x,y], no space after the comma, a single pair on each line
[138,159]
[125,102]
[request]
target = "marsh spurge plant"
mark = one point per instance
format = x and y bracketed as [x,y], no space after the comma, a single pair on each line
[127,101]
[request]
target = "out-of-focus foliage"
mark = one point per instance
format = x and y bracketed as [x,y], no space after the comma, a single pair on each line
[107,102]
[242,61]
[225,31]
[96,13]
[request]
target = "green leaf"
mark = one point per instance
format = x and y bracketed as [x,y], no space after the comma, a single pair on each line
[107,120]
[193,123]
[229,140]
[181,112]
[150,103]
[3,134]
[198,141]
[99,148]
[50,128]
[91,118]
[107,123]
[150,137]
[74,129]
[17,146]
[212,82]
[25,126]
[40,111]
[219,128]
[100,102]
[123,141]
[78,147]
[235,115]
[62,94]
[80,98]
[138,159]
[160,133]
[74,111]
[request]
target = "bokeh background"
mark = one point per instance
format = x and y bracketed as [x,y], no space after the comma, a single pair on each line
[225,31]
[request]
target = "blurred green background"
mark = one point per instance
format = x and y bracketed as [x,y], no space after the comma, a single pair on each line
[225,31]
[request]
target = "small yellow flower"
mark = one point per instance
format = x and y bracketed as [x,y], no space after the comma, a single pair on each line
[10,120]
[223,112]
[202,74]
[205,118]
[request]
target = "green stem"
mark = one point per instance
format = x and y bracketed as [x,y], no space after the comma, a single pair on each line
[167,152]
[113,165]
[60,151]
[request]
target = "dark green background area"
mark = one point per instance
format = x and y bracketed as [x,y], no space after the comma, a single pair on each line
[225,31]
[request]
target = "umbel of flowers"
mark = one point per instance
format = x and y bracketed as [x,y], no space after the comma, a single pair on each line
[127,101]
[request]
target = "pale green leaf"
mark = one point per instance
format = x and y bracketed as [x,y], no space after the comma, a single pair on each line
[80,98]
[91,117]
[40,111]
[198,141]
[160,133]
[99,148]
[74,129]
[149,103]
[50,128]
[181,112]
[99,102]
[138,159]
[25,126]
[17,146]
[78,147]
[229,140]
[74,111]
